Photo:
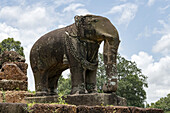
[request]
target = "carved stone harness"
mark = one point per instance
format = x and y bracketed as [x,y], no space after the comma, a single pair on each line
[70,47]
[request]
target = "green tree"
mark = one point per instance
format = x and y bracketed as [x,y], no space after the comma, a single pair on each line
[11,45]
[64,85]
[131,81]
[162,103]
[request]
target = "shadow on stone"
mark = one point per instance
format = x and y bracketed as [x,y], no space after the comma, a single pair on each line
[13,108]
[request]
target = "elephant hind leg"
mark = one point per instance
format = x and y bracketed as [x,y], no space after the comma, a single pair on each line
[41,83]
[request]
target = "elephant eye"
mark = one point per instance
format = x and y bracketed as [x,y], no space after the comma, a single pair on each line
[95,20]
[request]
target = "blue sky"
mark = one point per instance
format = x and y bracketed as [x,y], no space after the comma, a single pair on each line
[143,25]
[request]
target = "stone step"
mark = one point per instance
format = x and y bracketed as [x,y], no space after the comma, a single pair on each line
[82,99]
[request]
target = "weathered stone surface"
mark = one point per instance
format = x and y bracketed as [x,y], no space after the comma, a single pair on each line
[14,96]
[76,47]
[11,56]
[42,99]
[82,99]
[53,108]
[146,110]
[58,108]
[23,66]
[12,72]
[13,85]
[95,99]
[13,108]
[2,75]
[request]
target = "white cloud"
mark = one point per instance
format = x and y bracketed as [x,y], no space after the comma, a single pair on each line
[165,29]
[164,9]
[158,75]
[8,31]
[162,45]
[150,2]
[27,17]
[76,9]
[145,34]
[10,13]
[72,7]
[124,13]
[61,2]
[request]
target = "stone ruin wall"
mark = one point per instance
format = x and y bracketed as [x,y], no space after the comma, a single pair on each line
[13,77]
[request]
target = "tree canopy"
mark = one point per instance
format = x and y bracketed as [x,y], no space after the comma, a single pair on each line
[11,45]
[64,85]
[162,103]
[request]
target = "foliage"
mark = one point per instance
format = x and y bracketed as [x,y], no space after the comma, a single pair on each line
[162,103]
[131,81]
[61,100]
[3,96]
[64,85]
[33,92]
[11,45]
[101,74]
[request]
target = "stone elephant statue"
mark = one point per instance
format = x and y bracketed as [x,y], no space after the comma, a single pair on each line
[75,47]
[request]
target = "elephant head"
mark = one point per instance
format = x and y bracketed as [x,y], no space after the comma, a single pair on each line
[93,28]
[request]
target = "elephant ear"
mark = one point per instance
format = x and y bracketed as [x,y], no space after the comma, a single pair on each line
[78,20]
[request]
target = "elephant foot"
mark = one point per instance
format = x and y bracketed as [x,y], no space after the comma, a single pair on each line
[91,88]
[52,92]
[78,90]
[109,88]
[41,93]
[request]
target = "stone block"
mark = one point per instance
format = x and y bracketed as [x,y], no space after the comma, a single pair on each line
[57,108]
[42,99]
[13,85]
[23,66]
[13,72]
[14,96]
[95,99]
[2,75]
[13,108]
[53,108]
[145,110]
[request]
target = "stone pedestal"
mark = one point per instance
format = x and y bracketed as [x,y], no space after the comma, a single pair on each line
[82,99]
[96,99]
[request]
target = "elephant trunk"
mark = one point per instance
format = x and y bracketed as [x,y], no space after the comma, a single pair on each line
[110,53]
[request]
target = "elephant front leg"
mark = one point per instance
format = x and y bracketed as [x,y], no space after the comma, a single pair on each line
[78,80]
[91,81]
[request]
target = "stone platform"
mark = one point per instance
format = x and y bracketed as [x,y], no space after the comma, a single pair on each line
[82,99]
[42,99]
[58,108]
[96,99]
